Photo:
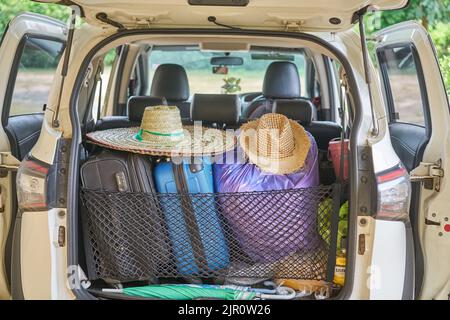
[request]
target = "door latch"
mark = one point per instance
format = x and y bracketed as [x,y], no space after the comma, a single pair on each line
[430,174]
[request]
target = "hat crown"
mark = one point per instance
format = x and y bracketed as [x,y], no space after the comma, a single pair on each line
[162,122]
[275,137]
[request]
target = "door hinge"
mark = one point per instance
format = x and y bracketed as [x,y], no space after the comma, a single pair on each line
[293,26]
[430,174]
[8,162]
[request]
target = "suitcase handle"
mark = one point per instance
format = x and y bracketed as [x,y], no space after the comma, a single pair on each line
[196,167]
[121,181]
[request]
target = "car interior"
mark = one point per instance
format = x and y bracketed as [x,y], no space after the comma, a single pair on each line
[222,89]
[280,91]
[223,86]
[283,87]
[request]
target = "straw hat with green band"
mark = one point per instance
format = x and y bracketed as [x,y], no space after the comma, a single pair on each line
[162,134]
[142,131]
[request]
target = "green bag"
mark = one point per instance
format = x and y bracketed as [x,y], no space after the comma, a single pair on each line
[325,212]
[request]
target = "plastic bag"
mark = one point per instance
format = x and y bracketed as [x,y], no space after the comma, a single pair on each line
[246,177]
[275,233]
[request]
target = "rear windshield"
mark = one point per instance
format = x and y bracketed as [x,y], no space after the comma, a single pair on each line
[205,77]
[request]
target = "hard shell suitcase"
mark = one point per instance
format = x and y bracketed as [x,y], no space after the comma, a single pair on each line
[121,254]
[198,242]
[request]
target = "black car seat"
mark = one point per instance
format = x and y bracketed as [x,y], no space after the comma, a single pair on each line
[302,111]
[282,81]
[170,82]
[216,110]
[135,110]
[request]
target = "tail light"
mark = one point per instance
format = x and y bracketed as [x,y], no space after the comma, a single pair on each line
[394,194]
[32,185]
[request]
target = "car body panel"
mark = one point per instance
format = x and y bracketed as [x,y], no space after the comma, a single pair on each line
[37,239]
[435,240]
[35,256]
[312,15]
[387,271]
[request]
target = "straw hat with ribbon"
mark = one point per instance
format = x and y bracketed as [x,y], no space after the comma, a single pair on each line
[275,144]
[162,134]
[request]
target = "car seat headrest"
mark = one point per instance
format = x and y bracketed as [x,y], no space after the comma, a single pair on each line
[216,108]
[137,105]
[170,82]
[298,110]
[282,81]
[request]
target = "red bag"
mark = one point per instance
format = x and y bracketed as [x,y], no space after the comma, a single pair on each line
[334,155]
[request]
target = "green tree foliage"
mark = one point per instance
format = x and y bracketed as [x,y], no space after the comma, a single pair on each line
[441,37]
[429,12]
[11,8]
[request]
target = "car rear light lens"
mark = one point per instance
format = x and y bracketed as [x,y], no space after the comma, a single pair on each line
[32,185]
[394,194]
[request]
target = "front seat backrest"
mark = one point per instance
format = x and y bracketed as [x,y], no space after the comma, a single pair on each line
[171,83]
[135,110]
[137,104]
[282,81]
[297,110]
[302,111]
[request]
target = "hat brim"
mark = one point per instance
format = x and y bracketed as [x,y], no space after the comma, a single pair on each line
[286,165]
[197,141]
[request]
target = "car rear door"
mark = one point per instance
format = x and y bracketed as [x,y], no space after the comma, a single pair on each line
[419,123]
[29,54]
[307,15]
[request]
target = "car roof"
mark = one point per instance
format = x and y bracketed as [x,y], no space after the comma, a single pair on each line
[304,15]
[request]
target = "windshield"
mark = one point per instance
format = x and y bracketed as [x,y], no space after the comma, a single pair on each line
[216,78]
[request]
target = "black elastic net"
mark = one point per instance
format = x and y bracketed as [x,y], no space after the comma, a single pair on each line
[275,234]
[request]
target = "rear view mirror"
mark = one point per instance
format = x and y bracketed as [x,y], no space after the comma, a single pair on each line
[227,61]
[220,70]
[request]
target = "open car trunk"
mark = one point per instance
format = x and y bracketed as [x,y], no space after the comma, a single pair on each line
[140,235]
[147,220]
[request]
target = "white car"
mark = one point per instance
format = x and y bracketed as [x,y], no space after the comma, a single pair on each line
[396,115]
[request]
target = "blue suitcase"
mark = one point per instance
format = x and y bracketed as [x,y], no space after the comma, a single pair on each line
[198,243]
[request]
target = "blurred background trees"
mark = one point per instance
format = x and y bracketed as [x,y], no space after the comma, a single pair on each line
[11,8]
[429,12]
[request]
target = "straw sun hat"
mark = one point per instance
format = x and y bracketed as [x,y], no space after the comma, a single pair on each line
[275,144]
[162,134]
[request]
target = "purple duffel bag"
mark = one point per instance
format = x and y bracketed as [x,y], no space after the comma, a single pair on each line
[270,226]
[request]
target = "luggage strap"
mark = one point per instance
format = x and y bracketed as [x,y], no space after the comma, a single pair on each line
[334,229]
[189,217]
[337,197]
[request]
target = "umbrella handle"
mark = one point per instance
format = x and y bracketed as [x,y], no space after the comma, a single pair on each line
[106,290]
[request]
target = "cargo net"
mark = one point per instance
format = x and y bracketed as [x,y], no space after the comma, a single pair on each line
[276,234]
